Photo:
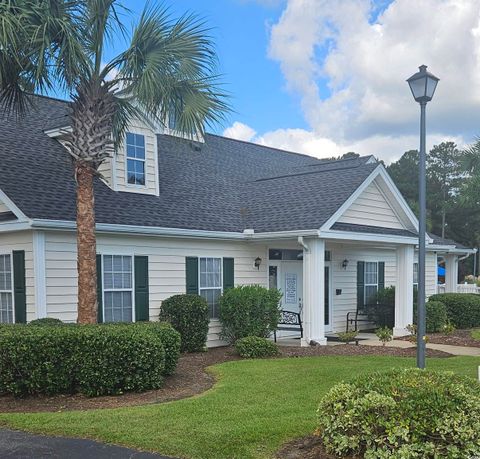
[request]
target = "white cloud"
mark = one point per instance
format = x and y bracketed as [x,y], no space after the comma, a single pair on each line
[240,131]
[388,148]
[350,72]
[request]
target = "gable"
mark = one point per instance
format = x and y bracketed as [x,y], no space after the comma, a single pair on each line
[3,208]
[373,209]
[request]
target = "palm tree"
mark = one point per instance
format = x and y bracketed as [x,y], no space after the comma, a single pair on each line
[167,70]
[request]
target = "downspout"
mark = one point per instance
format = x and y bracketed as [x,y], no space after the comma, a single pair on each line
[302,243]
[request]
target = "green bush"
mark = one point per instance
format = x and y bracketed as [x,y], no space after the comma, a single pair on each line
[171,343]
[382,314]
[188,314]
[384,334]
[249,310]
[347,337]
[253,347]
[46,321]
[90,359]
[463,309]
[403,414]
[436,316]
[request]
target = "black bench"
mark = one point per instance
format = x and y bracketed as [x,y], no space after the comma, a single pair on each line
[354,318]
[289,321]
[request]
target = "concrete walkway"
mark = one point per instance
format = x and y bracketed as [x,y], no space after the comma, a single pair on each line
[372,340]
[22,445]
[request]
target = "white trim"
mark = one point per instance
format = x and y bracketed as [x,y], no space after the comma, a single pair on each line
[58,131]
[8,227]
[368,237]
[132,256]
[144,160]
[155,165]
[13,208]
[39,269]
[221,278]
[12,289]
[379,171]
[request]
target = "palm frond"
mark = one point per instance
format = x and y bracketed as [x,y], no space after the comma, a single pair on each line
[170,70]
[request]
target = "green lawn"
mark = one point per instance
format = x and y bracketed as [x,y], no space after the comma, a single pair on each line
[476,333]
[255,407]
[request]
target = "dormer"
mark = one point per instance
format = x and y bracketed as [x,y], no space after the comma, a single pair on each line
[134,167]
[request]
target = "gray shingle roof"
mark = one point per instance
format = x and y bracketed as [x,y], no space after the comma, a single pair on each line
[438,240]
[373,229]
[228,185]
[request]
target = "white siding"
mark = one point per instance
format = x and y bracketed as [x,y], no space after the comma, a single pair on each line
[166,258]
[3,207]
[371,208]
[151,163]
[22,240]
[346,279]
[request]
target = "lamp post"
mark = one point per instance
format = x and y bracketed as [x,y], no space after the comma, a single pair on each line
[422,85]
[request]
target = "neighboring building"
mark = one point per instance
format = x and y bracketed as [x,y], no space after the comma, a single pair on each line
[176,216]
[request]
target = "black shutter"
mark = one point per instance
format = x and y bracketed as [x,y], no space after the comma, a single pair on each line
[141,289]
[360,285]
[228,273]
[191,274]
[381,275]
[19,289]
[99,290]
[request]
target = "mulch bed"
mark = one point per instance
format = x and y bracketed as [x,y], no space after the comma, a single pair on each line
[310,447]
[457,338]
[189,379]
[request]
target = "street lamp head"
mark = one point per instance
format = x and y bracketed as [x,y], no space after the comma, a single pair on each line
[423,85]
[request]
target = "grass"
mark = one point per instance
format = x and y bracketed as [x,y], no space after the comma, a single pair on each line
[255,406]
[476,334]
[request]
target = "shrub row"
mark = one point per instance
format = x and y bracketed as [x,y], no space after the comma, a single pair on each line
[188,314]
[253,347]
[90,359]
[463,309]
[403,414]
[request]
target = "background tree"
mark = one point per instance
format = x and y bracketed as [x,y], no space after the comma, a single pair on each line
[166,70]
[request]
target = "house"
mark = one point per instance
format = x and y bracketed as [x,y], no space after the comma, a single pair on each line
[176,215]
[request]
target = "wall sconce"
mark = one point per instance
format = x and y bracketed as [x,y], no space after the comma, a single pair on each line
[257,263]
[344,264]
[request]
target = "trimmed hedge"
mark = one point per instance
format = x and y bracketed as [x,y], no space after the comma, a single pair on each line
[188,314]
[90,359]
[436,316]
[249,310]
[253,347]
[463,309]
[46,321]
[401,414]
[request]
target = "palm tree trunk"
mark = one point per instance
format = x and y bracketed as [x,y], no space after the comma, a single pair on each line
[86,244]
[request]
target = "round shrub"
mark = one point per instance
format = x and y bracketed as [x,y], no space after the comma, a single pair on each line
[249,310]
[463,309]
[90,359]
[436,316]
[403,414]
[188,314]
[171,343]
[253,347]
[46,321]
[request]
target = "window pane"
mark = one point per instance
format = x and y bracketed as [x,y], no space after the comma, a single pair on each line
[212,297]
[6,308]
[5,273]
[370,294]
[140,153]
[140,140]
[130,138]
[130,151]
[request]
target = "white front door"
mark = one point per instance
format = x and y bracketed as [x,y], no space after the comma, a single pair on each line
[292,285]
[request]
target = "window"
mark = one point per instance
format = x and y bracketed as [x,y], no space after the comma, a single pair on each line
[117,288]
[415,276]
[135,159]
[371,281]
[211,283]
[6,289]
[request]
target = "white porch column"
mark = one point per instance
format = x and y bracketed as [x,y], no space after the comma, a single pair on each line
[404,290]
[314,292]
[451,273]
[39,272]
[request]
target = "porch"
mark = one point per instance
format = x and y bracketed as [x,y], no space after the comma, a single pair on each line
[324,280]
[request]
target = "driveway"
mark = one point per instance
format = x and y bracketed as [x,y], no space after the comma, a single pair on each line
[21,445]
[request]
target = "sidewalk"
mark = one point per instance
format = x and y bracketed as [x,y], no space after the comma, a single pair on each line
[372,340]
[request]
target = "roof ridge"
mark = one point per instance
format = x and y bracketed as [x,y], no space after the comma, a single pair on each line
[298,174]
[44,96]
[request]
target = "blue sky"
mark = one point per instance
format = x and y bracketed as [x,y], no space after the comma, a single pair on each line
[325,77]
[257,86]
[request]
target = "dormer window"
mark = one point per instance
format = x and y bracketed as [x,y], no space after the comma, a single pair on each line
[135,159]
